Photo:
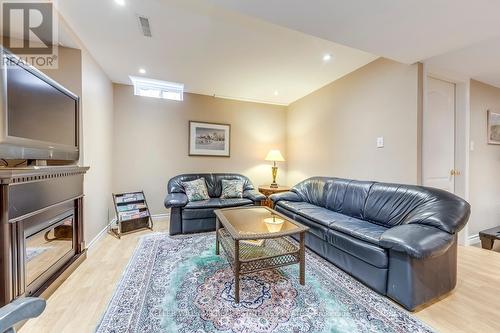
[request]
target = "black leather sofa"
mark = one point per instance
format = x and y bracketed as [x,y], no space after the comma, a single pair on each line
[198,216]
[400,240]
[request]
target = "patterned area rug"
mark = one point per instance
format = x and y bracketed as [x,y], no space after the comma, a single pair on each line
[178,284]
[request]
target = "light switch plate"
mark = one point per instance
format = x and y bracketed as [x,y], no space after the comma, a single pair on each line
[380,142]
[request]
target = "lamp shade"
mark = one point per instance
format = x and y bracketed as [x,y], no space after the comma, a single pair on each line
[275,155]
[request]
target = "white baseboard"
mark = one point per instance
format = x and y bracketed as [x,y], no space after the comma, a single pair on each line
[101,233]
[157,217]
[473,239]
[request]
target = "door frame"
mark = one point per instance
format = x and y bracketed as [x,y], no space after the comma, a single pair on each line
[462,131]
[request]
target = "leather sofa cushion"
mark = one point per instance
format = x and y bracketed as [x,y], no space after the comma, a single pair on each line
[316,229]
[390,204]
[216,203]
[360,229]
[369,253]
[344,196]
[313,191]
[205,209]
[347,196]
[361,242]
[317,214]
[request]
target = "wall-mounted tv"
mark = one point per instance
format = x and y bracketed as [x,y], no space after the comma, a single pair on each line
[39,118]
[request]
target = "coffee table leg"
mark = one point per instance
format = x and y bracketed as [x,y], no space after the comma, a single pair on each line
[217,226]
[237,271]
[302,254]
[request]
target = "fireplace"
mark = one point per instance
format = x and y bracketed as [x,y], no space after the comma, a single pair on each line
[48,245]
[41,235]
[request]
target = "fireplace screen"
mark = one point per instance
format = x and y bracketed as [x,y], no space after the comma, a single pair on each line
[48,246]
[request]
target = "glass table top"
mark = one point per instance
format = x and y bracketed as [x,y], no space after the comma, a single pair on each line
[257,222]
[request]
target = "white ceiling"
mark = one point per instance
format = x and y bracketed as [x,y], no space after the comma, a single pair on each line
[404,30]
[250,49]
[211,50]
[480,61]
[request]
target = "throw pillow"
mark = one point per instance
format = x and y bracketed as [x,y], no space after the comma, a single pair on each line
[196,190]
[232,188]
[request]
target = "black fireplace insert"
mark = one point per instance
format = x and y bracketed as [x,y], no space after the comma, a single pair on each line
[48,244]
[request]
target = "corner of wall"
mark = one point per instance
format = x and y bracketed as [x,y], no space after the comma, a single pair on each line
[420,118]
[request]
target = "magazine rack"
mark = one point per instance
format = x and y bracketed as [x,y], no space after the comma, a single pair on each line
[132,213]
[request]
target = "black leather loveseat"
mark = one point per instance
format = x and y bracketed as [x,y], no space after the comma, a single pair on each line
[198,216]
[400,240]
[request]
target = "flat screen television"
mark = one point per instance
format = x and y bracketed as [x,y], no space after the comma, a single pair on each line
[39,118]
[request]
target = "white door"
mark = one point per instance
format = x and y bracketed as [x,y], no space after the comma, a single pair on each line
[438,155]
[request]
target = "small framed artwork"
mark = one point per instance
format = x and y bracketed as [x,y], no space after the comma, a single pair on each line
[209,139]
[493,127]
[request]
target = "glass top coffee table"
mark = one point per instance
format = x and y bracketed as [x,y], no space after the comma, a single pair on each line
[255,239]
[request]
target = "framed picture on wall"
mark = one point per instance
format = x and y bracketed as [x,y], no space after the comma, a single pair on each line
[493,127]
[209,139]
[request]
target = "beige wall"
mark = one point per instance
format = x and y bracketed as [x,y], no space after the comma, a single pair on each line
[97,138]
[69,71]
[484,160]
[79,72]
[333,131]
[97,113]
[151,140]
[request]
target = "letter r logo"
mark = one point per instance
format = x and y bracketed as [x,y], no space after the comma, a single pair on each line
[28,27]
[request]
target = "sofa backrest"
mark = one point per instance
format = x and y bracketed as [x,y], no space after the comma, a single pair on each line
[348,196]
[387,204]
[213,181]
[345,196]
[313,190]
[390,204]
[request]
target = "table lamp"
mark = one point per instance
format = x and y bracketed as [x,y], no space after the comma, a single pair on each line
[275,156]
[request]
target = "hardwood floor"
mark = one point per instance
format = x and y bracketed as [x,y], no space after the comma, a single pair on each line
[474,305]
[78,304]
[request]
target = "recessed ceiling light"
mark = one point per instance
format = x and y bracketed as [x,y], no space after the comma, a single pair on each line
[142,71]
[120,2]
[327,57]
[276,93]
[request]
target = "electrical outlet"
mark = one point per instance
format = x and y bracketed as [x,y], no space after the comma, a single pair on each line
[380,142]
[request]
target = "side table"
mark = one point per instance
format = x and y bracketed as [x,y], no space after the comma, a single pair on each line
[267,190]
[488,237]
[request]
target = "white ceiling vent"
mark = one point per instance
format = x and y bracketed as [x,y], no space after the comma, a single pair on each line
[145,27]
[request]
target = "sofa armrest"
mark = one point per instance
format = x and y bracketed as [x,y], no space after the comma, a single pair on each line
[417,241]
[285,196]
[176,200]
[19,310]
[254,195]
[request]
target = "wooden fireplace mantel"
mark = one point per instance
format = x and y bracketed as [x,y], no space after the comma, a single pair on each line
[23,175]
[25,194]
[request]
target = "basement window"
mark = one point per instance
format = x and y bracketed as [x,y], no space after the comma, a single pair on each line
[157,88]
